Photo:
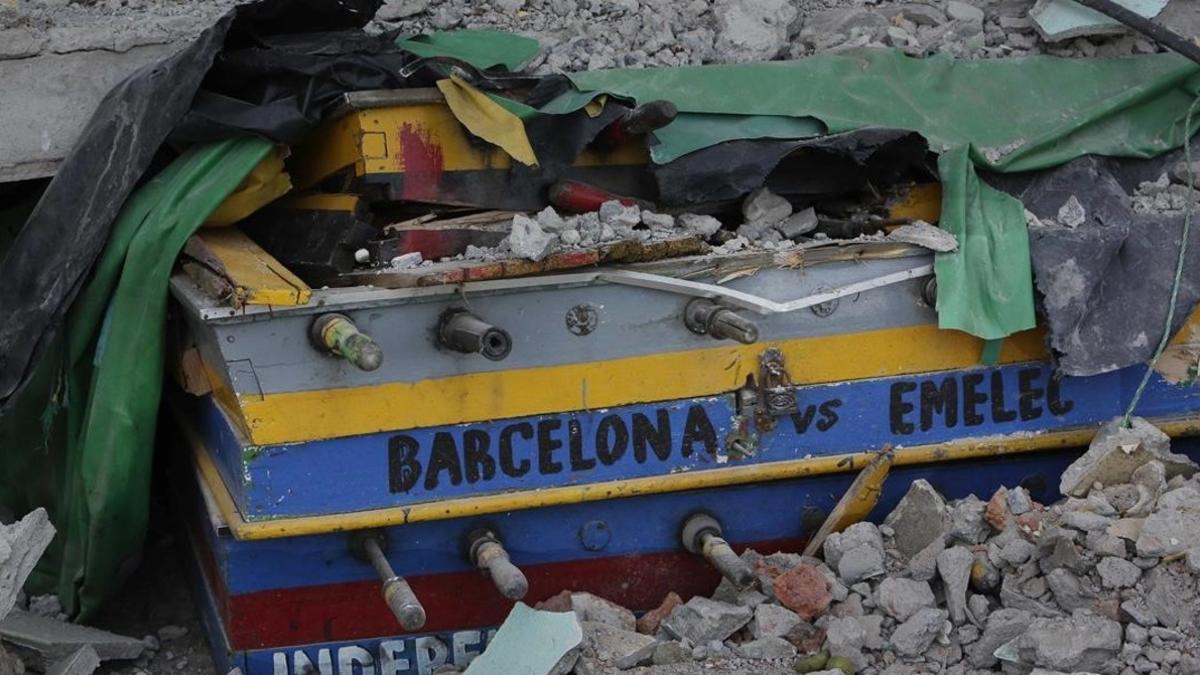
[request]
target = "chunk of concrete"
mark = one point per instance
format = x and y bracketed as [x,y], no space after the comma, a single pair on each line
[838,544]
[1150,481]
[609,644]
[921,233]
[1012,597]
[1002,626]
[48,641]
[1118,573]
[671,652]
[961,11]
[1069,592]
[764,206]
[590,607]
[919,518]
[47,100]
[658,221]
[21,546]
[915,635]
[1082,641]
[860,562]
[923,565]
[901,598]
[1116,452]
[529,641]
[619,216]
[528,240]
[954,567]
[773,621]
[549,220]
[771,647]
[967,521]
[700,225]
[1085,521]
[1167,532]
[1170,596]
[84,661]
[798,224]
[845,637]
[753,30]
[1059,20]
[701,620]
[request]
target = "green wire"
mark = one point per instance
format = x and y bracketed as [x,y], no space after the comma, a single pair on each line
[1183,247]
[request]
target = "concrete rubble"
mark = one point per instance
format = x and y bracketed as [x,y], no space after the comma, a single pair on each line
[769,223]
[71,53]
[590,35]
[21,546]
[1008,584]
[34,632]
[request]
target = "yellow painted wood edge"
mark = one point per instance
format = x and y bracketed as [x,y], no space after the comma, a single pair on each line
[1180,361]
[258,278]
[294,417]
[974,448]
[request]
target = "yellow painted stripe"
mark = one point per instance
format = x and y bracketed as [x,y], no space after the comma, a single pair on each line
[331,413]
[373,142]
[975,448]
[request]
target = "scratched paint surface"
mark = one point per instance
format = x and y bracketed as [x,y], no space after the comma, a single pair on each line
[420,159]
[573,448]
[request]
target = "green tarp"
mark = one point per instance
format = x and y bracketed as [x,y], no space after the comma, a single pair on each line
[95,392]
[1000,115]
[481,48]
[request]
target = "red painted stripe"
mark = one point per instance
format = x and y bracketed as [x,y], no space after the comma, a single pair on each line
[351,611]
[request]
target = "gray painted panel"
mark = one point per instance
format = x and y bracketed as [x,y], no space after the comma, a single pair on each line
[632,322]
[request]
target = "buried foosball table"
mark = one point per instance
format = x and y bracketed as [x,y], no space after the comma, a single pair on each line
[575,460]
[371,477]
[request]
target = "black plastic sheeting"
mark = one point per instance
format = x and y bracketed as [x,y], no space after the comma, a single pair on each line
[1104,286]
[830,165]
[275,67]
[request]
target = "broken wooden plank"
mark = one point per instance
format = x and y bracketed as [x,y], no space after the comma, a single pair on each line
[434,221]
[229,265]
[461,271]
[1180,361]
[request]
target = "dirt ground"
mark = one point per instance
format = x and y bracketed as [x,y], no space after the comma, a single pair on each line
[158,596]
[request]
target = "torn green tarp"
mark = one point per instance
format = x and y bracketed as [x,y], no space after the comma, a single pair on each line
[78,438]
[690,131]
[1001,115]
[484,49]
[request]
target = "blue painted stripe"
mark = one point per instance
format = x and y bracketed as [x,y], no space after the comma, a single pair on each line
[397,468]
[644,524]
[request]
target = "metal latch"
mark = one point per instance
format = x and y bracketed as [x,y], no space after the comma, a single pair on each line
[776,394]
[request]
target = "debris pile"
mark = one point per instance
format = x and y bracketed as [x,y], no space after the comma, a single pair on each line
[1103,581]
[769,223]
[590,35]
